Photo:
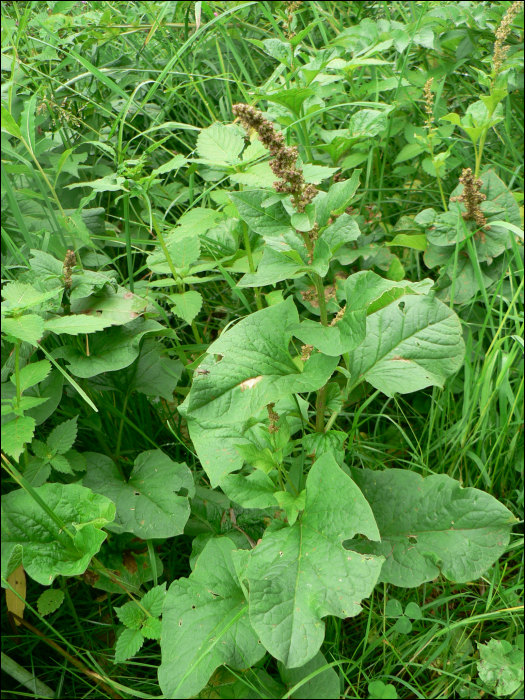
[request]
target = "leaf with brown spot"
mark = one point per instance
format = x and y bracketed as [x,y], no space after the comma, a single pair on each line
[14,605]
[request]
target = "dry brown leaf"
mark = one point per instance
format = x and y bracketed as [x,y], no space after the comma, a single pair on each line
[18,581]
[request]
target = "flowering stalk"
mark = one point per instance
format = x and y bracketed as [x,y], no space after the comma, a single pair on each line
[502,32]
[471,198]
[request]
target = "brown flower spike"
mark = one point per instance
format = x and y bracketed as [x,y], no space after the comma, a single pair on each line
[284,160]
[502,32]
[69,263]
[471,197]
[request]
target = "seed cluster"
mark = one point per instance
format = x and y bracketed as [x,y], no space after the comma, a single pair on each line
[69,263]
[502,32]
[274,418]
[284,160]
[429,102]
[306,351]
[291,7]
[471,197]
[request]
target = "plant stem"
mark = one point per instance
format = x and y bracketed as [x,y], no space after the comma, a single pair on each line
[176,276]
[128,243]
[17,373]
[121,427]
[251,266]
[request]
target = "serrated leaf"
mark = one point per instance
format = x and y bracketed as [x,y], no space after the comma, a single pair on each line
[411,150]
[255,370]
[174,164]
[300,574]
[148,504]
[78,323]
[220,143]
[28,328]
[76,460]
[324,685]
[269,221]
[16,433]
[61,464]
[205,624]
[47,550]
[61,439]
[186,305]
[367,123]
[410,344]
[253,491]
[432,526]
[274,267]
[128,644]
[153,600]
[37,471]
[32,374]
[500,667]
[131,615]
[110,350]
[152,628]
[49,601]
[120,306]
[255,457]
[259,175]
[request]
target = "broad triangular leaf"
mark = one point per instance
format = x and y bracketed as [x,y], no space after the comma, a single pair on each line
[220,144]
[256,368]
[48,551]
[300,574]
[205,624]
[148,504]
[109,350]
[431,525]
[269,221]
[410,344]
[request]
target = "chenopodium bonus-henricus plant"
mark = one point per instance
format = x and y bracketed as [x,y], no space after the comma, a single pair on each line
[249,398]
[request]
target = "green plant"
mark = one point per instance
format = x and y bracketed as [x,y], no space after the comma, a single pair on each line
[297,427]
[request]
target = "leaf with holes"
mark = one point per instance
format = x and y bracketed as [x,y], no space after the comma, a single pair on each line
[255,370]
[48,551]
[153,502]
[205,624]
[431,526]
[49,601]
[300,574]
[500,666]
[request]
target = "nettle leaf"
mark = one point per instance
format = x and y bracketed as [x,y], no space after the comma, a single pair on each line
[216,443]
[255,370]
[61,464]
[151,503]
[324,685]
[300,574]
[500,666]
[220,144]
[253,491]
[21,296]
[410,344]
[61,439]
[186,305]
[269,221]
[16,433]
[29,328]
[128,644]
[32,374]
[131,615]
[153,600]
[152,628]
[109,350]
[49,601]
[205,624]
[47,550]
[431,526]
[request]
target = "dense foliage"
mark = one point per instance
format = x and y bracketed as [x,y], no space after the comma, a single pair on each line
[262,354]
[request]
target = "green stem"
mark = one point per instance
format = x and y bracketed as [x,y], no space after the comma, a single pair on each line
[176,276]
[251,265]
[480,153]
[321,298]
[128,243]
[196,333]
[443,200]
[17,373]
[121,428]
